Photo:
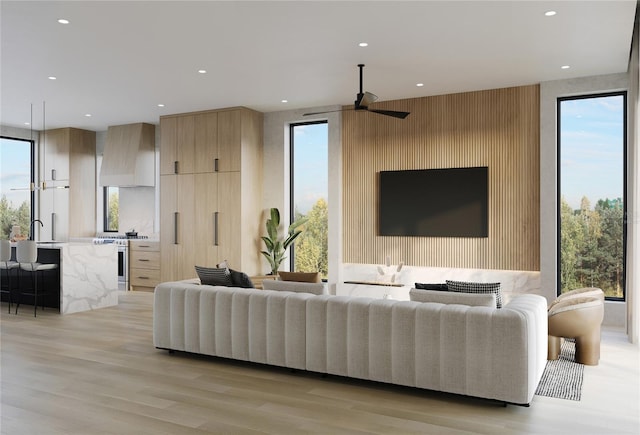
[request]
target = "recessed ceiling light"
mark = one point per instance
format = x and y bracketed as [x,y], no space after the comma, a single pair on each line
[285,101]
[550,13]
[160,105]
[88,115]
[202,71]
[419,85]
[52,78]
[27,123]
[363,44]
[565,67]
[63,21]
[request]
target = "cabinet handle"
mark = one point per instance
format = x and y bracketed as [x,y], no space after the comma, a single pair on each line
[175,167]
[143,277]
[142,259]
[53,226]
[175,227]
[216,165]
[215,229]
[53,174]
[144,246]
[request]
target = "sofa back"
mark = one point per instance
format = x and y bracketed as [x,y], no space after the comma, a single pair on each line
[476,351]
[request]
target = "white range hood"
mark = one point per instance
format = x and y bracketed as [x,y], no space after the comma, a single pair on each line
[129,156]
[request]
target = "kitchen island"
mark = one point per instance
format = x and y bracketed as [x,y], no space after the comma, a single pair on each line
[86,279]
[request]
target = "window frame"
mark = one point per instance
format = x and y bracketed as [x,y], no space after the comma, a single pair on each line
[105,209]
[32,177]
[625,151]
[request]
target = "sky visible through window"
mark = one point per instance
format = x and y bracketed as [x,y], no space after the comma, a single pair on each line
[592,149]
[15,167]
[311,165]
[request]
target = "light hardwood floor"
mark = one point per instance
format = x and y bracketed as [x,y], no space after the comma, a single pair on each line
[98,373]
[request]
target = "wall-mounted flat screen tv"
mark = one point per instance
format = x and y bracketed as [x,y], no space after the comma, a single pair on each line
[434,202]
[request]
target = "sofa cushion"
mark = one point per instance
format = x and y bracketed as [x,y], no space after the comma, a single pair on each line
[214,276]
[438,296]
[240,279]
[439,287]
[293,286]
[300,276]
[477,287]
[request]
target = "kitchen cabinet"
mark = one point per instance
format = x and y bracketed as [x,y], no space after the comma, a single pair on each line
[177,145]
[67,195]
[214,213]
[144,264]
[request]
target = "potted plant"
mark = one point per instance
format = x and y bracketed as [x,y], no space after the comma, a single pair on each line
[276,245]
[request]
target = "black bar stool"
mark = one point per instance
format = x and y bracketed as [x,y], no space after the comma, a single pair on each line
[27,256]
[7,265]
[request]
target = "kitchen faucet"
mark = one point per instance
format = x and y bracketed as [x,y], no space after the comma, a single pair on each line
[31,228]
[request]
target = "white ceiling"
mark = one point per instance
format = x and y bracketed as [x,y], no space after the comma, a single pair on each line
[119,60]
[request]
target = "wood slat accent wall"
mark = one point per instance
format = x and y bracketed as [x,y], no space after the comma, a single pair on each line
[496,128]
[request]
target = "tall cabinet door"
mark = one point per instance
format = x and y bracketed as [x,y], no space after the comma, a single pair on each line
[177,145]
[54,214]
[168,141]
[230,140]
[229,218]
[169,247]
[206,142]
[206,220]
[177,232]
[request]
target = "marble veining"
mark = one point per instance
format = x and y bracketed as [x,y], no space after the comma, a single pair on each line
[88,276]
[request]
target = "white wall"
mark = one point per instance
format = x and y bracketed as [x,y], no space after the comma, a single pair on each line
[276,175]
[633,208]
[549,93]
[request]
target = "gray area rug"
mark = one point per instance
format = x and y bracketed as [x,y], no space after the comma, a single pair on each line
[562,379]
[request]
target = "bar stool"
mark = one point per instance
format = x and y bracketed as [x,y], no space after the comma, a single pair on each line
[8,265]
[27,256]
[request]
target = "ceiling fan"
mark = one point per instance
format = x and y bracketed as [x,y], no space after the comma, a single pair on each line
[363,99]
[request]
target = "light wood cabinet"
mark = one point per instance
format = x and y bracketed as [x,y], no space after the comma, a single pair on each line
[144,265]
[212,213]
[67,199]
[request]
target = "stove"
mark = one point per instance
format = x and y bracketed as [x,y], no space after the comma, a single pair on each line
[122,242]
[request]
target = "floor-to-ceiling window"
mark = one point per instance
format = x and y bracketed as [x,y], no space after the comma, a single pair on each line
[592,189]
[309,195]
[17,197]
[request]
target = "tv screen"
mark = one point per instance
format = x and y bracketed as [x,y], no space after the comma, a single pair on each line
[434,202]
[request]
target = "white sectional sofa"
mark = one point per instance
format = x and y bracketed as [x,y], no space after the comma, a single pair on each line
[484,352]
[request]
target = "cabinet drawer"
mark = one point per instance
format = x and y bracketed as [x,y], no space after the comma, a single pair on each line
[144,277]
[145,260]
[139,245]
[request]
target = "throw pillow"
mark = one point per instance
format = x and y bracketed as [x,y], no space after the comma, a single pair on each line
[439,287]
[438,296]
[214,276]
[293,286]
[477,287]
[240,279]
[300,276]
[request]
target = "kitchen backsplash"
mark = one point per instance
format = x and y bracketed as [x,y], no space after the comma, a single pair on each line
[136,209]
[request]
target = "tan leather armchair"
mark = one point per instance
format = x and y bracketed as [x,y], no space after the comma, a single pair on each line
[580,318]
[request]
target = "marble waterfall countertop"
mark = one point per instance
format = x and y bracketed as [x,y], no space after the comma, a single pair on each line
[88,275]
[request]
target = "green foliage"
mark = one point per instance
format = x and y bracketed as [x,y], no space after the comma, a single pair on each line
[591,250]
[10,216]
[312,248]
[277,245]
[112,217]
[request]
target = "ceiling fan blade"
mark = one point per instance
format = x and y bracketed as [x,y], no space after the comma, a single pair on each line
[395,114]
[322,113]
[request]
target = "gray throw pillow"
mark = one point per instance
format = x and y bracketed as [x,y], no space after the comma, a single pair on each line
[439,287]
[214,276]
[241,279]
[477,287]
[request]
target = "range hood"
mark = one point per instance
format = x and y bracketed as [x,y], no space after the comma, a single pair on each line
[129,156]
